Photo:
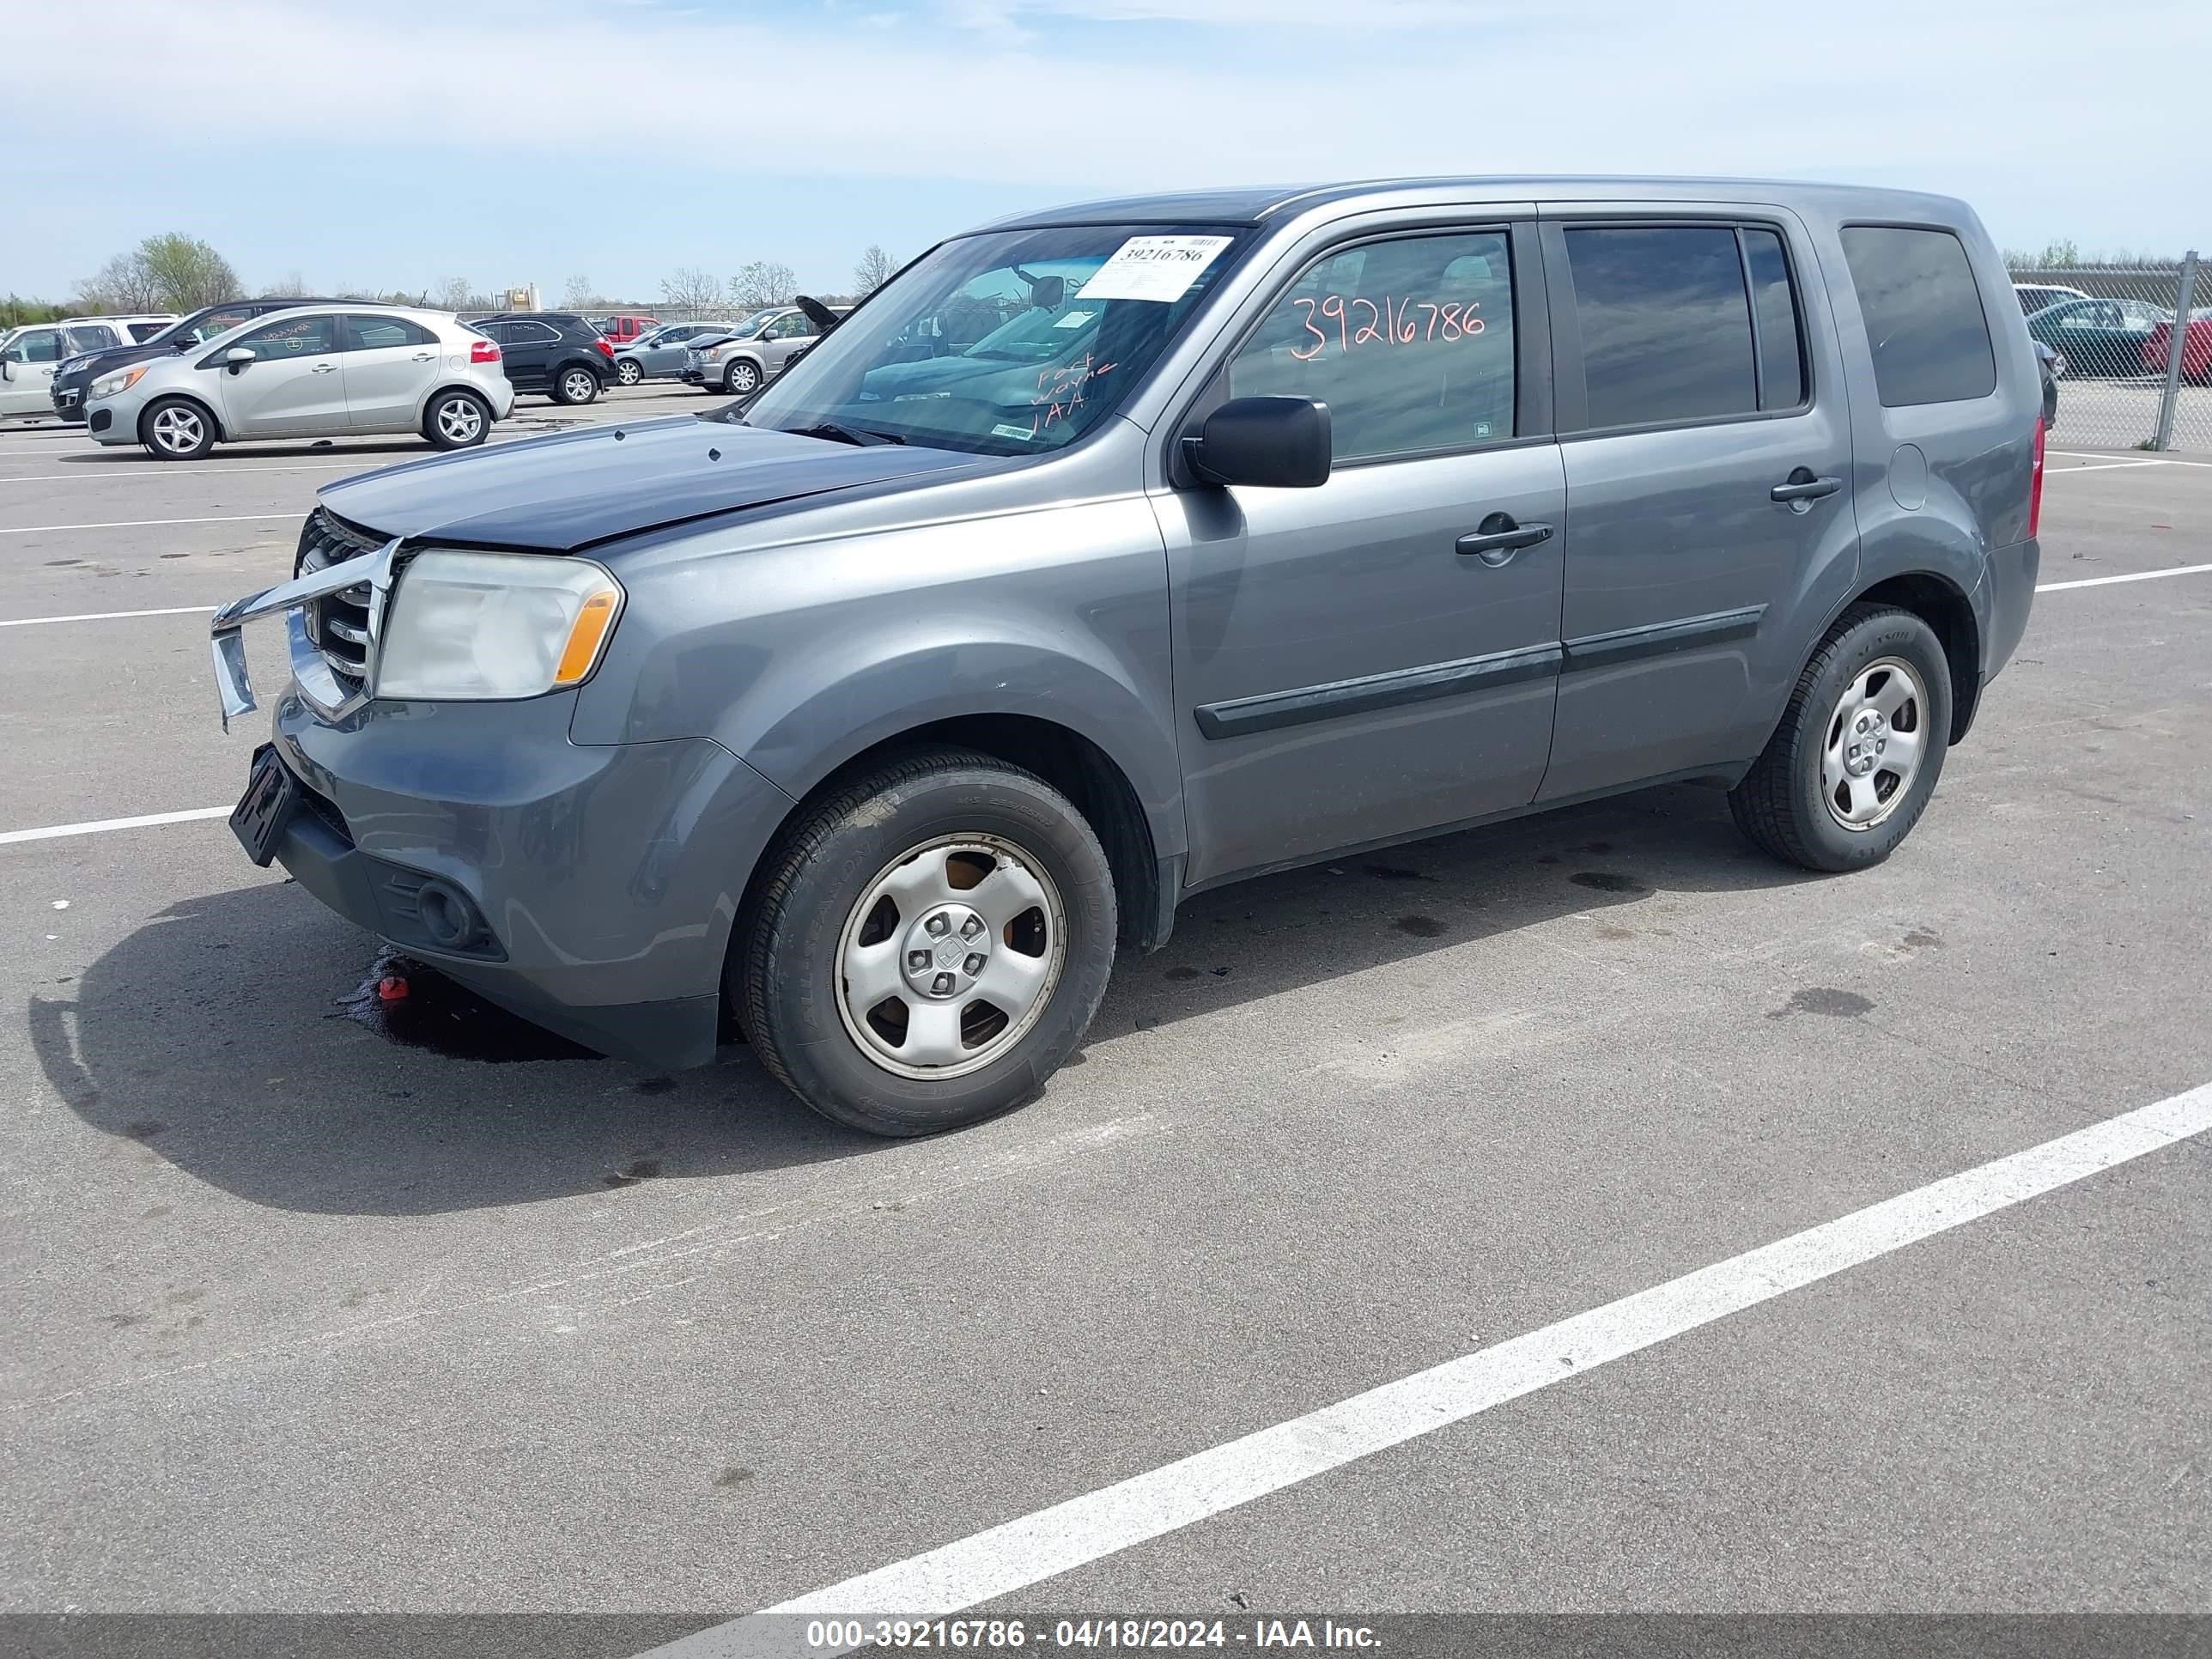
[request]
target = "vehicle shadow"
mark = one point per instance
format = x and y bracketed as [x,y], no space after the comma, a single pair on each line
[241,1035]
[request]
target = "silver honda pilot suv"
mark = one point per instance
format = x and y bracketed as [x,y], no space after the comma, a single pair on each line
[1111,554]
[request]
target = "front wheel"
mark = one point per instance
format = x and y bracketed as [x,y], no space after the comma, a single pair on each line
[741,378]
[457,419]
[177,429]
[1850,770]
[575,386]
[628,371]
[929,945]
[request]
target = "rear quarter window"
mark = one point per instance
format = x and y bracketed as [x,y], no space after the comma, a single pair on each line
[1924,321]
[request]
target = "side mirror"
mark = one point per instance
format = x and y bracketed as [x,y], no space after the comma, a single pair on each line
[7,369]
[237,358]
[1277,443]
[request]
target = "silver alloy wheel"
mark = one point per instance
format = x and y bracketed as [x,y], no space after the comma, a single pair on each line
[1877,739]
[178,430]
[578,386]
[628,371]
[950,956]
[459,420]
[740,378]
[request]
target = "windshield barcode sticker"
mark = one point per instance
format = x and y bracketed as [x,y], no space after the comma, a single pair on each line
[1153,267]
[1075,320]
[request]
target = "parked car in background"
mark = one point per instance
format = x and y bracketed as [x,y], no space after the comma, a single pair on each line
[621,330]
[181,335]
[1343,517]
[34,354]
[2196,347]
[2097,336]
[553,352]
[2033,296]
[658,354]
[753,354]
[313,372]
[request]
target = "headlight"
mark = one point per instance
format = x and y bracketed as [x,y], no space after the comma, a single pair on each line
[471,627]
[714,353]
[122,380]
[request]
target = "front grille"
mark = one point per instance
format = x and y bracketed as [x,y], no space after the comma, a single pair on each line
[338,623]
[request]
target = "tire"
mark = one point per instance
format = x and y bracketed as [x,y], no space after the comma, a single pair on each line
[918,822]
[457,419]
[628,371]
[176,429]
[1801,797]
[741,378]
[575,384]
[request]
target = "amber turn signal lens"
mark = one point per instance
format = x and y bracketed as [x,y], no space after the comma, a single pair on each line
[592,624]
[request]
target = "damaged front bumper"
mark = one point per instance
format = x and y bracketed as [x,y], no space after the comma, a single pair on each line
[318,683]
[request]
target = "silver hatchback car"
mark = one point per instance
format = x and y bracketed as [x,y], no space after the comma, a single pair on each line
[321,371]
[1108,554]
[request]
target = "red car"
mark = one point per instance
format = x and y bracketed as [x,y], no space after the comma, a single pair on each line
[2196,349]
[621,330]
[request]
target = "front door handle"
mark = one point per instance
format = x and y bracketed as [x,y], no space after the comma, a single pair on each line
[323,368]
[1497,538]
[1804,486]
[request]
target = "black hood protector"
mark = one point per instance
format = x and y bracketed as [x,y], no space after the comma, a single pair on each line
[569,490]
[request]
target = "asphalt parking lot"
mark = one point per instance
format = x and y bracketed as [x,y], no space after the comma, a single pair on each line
[309,1317]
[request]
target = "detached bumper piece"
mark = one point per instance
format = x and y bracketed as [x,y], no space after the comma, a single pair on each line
[319,685]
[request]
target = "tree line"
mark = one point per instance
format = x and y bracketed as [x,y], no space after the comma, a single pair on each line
[175,272]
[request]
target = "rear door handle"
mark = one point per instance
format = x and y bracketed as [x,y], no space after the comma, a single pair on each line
[426,357]
[1804,486]
[1497,538]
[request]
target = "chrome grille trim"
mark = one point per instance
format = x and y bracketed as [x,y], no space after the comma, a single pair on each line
[338,625]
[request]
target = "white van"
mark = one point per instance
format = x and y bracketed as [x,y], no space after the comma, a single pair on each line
[29,356]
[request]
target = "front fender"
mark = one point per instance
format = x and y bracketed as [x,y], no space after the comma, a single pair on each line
[797,657]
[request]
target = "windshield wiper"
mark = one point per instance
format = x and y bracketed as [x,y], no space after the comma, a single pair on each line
[850,435]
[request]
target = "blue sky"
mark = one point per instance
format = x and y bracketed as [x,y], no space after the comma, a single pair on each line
[510,140]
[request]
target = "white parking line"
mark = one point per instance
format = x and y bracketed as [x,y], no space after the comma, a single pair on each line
[147,524]
[2092,455]
[2101,467]
[107,471]
[107,615]
[2134,576]
[1053,1540]
[99,826]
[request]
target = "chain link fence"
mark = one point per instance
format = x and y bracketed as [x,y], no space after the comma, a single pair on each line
[2127,379]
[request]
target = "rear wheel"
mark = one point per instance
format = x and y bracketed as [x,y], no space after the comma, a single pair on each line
[929,945]
[741,378]
[1850,770]
[457,419]
[628,371]
[575,386]
[177,429]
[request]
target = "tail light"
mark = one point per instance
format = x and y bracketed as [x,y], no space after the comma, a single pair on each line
[605,350]
[2035,489]
[483,351]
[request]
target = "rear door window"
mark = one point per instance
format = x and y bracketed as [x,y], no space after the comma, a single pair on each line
[88,337]
[371,334]
[1665,323]
[1923,314]
[1777,320]
[1409,342]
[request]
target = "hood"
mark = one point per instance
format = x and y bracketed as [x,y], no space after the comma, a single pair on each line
[108,361]
[572,489]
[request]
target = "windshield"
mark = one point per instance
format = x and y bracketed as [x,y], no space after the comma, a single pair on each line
[753,325]
[1011,342]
